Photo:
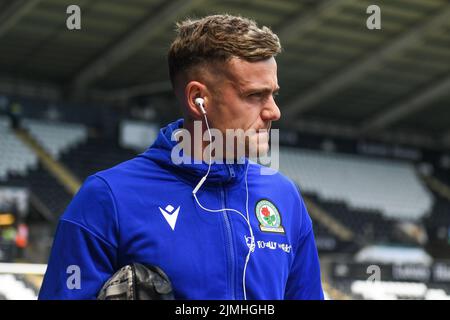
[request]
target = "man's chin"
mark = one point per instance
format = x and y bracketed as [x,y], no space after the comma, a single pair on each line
[261,150]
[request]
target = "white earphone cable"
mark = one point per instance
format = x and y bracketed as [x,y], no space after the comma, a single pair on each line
[246,218]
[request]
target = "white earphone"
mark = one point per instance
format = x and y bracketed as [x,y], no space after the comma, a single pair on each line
[199,102]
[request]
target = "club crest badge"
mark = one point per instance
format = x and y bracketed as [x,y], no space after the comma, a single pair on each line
[268,216]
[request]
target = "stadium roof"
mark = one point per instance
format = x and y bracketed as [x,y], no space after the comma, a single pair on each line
[336,75]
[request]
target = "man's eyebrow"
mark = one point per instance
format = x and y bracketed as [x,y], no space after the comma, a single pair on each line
[261,89]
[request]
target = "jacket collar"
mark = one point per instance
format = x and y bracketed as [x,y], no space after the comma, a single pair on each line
[160,152]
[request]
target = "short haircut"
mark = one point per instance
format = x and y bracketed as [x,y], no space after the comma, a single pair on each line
[218,38]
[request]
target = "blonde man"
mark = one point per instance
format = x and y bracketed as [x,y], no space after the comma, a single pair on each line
[219,230]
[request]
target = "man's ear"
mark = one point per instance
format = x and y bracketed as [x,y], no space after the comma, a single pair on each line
[193,90]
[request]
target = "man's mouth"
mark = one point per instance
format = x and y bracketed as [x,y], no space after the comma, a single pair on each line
[267,129]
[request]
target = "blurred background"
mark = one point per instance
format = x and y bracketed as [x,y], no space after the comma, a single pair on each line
[365,127]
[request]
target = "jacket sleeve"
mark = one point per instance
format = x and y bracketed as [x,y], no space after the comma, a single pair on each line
[84,252]
[304,281]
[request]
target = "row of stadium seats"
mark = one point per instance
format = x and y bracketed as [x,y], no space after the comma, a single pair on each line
[45,187]
[15,156]
[318,173]
[4,124]
[12,288]
[392,290]
[437,225]
[325,240]
[442,175]
[94,155]
[19,166]
[56,138]
[440,216]
[369,226]
[384,290]
[389,186]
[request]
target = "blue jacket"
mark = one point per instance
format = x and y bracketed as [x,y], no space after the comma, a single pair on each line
[143,210]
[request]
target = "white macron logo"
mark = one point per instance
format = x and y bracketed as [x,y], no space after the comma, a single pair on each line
[170,215]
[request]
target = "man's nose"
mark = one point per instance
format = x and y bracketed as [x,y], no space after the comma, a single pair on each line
[271,112]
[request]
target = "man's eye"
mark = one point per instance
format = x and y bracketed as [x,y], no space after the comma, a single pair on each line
[256,95]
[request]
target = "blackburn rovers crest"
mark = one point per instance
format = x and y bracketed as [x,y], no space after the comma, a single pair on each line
[268,216]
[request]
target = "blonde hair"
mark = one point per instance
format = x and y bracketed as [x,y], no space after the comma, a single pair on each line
[218,38]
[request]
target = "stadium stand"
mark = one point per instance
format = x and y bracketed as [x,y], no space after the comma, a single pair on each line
[20,281]
[49,192]
[325,239]
[4,124]
[15,157]
[381,290]
[395,281]
[437,225]
[22,165]
[97,153]
[368,225]
[56,137]
[369,214]
[361,182]
[443,176]
[438,221]
[361,111]
[319,174]
[14,288]
[392,290]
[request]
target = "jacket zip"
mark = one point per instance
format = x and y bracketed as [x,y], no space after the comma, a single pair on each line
[229,232]
[229,244]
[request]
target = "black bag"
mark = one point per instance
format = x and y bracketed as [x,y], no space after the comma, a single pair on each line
[137,282]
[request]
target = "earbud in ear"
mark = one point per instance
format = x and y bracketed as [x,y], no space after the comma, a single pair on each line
[199,102]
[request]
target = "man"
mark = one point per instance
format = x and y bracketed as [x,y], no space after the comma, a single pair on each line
[144,210]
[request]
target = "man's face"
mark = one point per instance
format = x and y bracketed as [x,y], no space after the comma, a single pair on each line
[243,98]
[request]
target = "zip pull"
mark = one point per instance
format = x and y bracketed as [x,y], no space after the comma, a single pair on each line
[231,169]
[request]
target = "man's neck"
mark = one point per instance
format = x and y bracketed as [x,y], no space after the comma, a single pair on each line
[197,145]
[197,131]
